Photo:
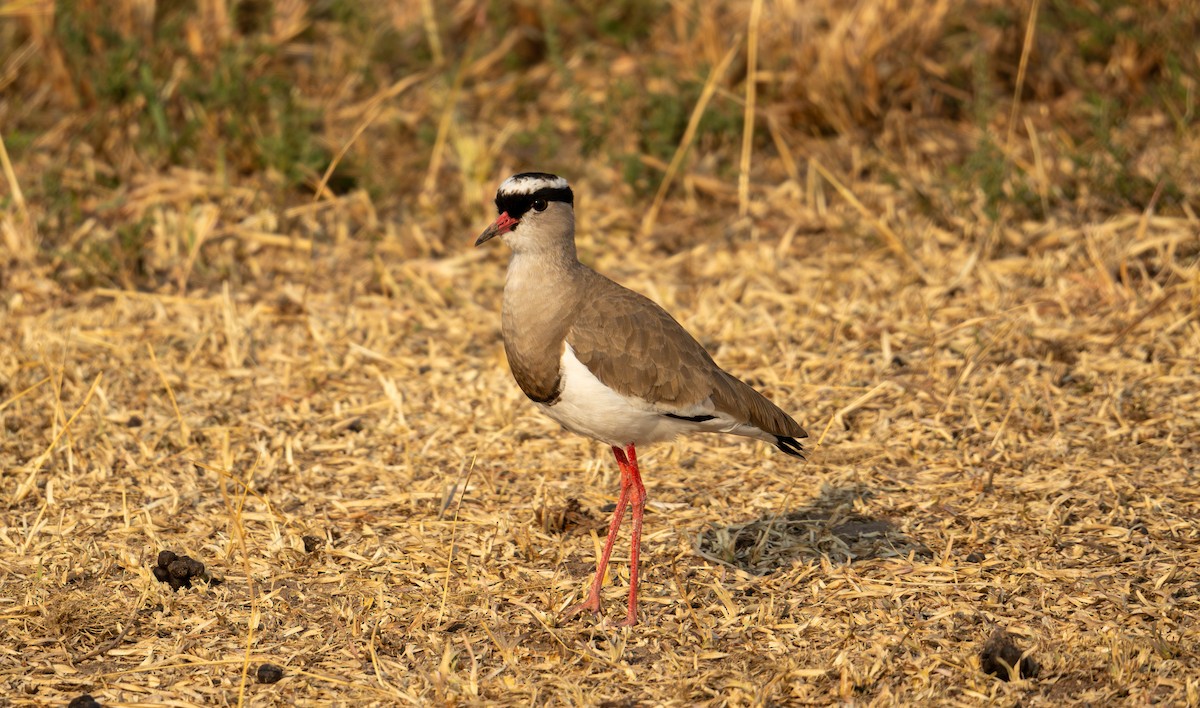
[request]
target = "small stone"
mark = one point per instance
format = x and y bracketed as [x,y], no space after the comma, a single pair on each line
[312,543]
[975,557]
[269,673]
[84,701]
[134,421]
[165,558]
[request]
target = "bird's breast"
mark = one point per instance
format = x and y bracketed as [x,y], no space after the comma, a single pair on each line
[534,327]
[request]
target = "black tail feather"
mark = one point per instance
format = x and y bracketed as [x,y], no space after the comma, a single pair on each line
[789,446]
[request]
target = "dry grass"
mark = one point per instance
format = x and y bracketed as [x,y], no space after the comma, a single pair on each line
[990,327]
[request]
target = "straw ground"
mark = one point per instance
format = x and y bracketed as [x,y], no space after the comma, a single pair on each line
[241,320]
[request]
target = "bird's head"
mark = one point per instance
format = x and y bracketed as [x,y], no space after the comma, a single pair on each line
[536,211]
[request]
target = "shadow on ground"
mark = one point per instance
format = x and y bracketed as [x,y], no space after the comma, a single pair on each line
[828,529]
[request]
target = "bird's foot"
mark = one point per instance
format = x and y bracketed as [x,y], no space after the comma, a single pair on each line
[629,621]
[591,604]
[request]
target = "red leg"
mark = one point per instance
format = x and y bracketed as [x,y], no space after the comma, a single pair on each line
[638,502]
[592,601]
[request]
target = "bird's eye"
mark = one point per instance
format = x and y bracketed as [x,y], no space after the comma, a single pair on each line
[539,205]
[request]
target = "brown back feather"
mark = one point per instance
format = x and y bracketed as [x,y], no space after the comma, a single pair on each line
[636,348]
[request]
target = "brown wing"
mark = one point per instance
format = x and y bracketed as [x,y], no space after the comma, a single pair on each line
[739,400]
[636,348]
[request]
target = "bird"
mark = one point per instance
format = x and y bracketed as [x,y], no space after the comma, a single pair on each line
[606,362]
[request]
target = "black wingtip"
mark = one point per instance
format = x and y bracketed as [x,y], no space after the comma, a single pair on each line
[789,446]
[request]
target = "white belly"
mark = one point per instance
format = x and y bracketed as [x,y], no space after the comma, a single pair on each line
[588,407]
